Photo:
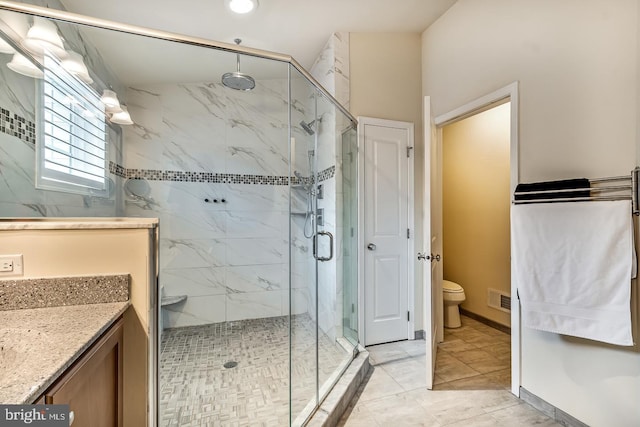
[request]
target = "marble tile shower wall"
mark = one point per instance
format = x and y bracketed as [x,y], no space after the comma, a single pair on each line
[231,259]
[18,195]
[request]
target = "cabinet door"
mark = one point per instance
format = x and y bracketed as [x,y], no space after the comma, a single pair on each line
[92,387]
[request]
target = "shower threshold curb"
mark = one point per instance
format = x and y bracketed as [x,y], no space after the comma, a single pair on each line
[334,406]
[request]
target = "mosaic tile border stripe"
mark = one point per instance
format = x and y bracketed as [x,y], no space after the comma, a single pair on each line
[217,178]
[117,170]
[15,125]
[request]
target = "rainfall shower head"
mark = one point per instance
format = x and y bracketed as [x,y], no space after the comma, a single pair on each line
[308,127]
[237,80]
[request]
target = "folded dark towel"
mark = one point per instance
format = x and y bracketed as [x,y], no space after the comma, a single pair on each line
[566,184]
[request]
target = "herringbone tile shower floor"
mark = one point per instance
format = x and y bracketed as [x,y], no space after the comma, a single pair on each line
[197,390]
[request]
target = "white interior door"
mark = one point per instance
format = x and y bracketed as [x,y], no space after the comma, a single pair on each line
[386,218]
[432,241]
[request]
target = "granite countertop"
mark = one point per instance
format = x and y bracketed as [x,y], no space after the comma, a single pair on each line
[38,344]
[75,223]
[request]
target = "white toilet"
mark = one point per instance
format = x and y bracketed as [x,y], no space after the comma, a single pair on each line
[453,296]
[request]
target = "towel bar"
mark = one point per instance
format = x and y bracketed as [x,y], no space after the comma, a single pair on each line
[597,186]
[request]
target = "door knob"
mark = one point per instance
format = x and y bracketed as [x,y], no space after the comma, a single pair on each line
[371,247]
[435,257]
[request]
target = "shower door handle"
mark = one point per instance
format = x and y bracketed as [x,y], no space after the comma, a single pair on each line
[315,246]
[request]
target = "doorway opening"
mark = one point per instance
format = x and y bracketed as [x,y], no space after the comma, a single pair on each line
[476,251]
[474,170]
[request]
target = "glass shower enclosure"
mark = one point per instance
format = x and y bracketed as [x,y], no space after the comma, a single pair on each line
[255,189]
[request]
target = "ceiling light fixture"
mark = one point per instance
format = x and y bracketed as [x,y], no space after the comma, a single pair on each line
[242,6]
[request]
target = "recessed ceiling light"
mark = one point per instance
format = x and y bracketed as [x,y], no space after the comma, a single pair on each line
[242,6]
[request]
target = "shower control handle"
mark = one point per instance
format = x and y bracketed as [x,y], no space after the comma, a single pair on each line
[371,246]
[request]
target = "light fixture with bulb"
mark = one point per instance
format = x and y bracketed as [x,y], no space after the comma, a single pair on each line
[21,65]
[242,6]
[74,64]
[122,117]
[43,35]
[110,100]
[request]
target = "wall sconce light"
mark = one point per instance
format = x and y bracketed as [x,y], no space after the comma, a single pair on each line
[74,64]
[43,35]
[22,65]
[122,117]
[110,100]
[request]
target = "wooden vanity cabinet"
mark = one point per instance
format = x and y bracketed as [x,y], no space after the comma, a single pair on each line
[92,386]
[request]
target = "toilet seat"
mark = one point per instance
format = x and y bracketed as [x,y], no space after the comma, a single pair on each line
[451,287]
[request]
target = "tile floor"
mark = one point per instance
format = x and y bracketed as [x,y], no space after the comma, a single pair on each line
[471,386]
[196,389]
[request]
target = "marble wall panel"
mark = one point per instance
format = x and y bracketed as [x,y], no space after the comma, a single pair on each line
[196,310]
[256,251]
[194,282]
[191,253]
[254,305]
[251,279]
[255,224]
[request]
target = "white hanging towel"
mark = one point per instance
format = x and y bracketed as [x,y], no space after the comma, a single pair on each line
[572,265]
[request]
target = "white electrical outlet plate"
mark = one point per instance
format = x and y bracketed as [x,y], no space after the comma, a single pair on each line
[11,265]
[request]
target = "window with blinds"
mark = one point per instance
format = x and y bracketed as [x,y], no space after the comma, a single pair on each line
[72,146]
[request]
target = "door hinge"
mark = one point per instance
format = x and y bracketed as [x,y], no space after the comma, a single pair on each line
[409,151]
[408,316]
[408,233]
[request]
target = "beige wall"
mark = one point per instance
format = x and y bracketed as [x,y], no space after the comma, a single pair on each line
[475,211]
[576,61]
[58,253]
[385,83]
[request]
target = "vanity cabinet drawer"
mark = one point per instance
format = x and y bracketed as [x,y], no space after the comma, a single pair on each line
[92,386]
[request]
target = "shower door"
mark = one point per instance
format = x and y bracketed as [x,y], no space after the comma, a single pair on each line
[322,337]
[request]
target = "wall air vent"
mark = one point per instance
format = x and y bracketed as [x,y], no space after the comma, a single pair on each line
[499,300]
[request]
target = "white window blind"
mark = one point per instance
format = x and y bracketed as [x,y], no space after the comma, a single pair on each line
[72,147]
